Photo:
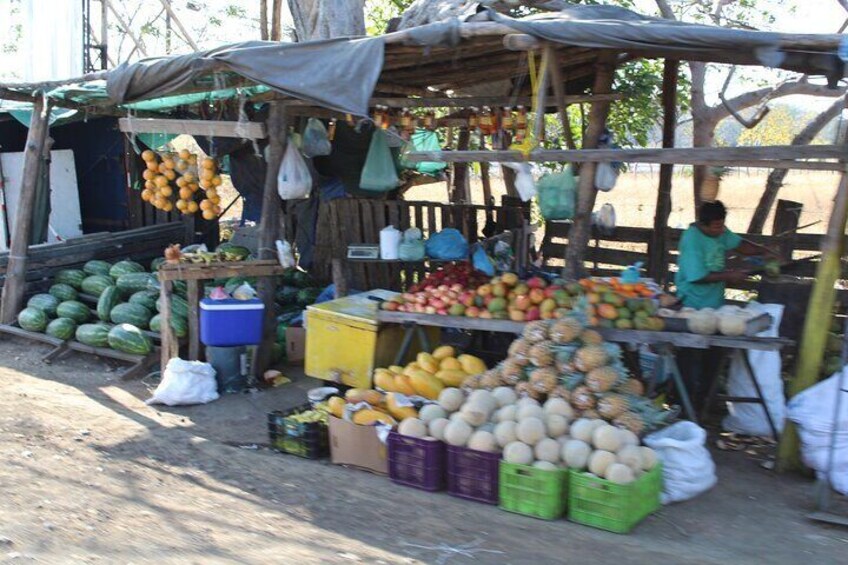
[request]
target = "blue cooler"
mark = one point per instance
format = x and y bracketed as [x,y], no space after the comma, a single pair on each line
[229,322]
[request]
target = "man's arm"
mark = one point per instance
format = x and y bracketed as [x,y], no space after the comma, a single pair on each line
[750,249]
[724,276]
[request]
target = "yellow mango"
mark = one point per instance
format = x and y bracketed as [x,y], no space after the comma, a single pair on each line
[396,369]
[452,377]
[336,406]
[399,412]
[443,352]
[403,385]
[472,365]
[371,417]
[384,379]
[427,362]
[450,364]
[411,367]
[426,385]
[372,397]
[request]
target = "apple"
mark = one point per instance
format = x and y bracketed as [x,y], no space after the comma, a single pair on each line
[429,309]
[408,297]
[391,306]
[472,312]
[442,312]
[437,303]
[547,315]
[551,291]
[510,279]
[457,287]
[522,302]
[485,314]
[484,290]
[467,298]
[537,295]
[516,315]
[443,287]
[532,314]
[536,282]
[499,289]
[547,305]
[521,288]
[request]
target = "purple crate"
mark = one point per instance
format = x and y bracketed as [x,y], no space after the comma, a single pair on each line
[417,463]
[473,474]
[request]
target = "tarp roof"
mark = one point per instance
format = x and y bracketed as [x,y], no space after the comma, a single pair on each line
[343,74]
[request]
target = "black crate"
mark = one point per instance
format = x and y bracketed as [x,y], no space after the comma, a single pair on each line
[310,440]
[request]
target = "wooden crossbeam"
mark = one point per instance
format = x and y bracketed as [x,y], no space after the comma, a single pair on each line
[216,128]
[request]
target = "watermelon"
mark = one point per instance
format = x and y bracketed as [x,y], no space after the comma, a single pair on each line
[96,284]
[307,296]
[231,252]
[147,298]
[134,314]
[178,325]
[109,298]
[95,267]
[73,277]
[179,306]
[32,319]
[129,339]
[287,295]
[44,302]
[74,310]
[181,288]
[95,335]
[133,282]
[156,263]
[62,328]
[125,267]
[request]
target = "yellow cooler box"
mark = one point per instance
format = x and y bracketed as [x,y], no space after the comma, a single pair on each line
[345,343]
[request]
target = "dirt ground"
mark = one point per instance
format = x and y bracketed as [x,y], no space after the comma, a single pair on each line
[89,473]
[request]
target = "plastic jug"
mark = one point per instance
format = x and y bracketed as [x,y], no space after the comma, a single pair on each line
[389,243]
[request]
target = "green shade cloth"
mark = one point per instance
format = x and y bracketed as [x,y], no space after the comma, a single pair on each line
[701,255]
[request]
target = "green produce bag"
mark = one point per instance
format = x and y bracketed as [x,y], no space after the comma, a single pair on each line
[379,173]
[423,140]
[557,195]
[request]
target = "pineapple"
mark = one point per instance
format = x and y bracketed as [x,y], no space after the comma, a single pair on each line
[642,416]
[519,348]
[572,380]
[511,372]
[631,386]
[590,357]
[591,337]
[564,358]
[560,391]
[541,354]
[591,414]
[565,330]
[536,331]
[471,382]
[582,398]
[630,421]
[611,406]
[490,379]
[543,380]
[526,389]
[603,379]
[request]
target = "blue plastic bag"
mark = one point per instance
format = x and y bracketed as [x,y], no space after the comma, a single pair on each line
[447,245]
[557,195]
[481,261]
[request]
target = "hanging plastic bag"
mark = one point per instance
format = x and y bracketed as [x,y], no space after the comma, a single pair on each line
[524,183]
[481,260]
[606,175]
[412,250]
[557,195]
[688,469]
[447,245]
[379,173]
[186,382]
[423,140]
[316,140]
[294,180]
[285,254]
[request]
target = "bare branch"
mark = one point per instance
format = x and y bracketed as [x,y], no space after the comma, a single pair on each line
[844,4]
[665,10]
[755,97]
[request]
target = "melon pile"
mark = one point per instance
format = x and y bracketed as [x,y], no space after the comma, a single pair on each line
[526,432]
[564,359]
[182,181]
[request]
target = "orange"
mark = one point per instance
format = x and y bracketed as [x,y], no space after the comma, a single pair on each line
[161,181]
[206,174]
[181,182]
[192,207]
[148,155]
[206,205]
[166,190]
[170,174]
[185,193]
[208,215]
[216,180]
[208,163]
[182,205]
[184,154]
[153,166]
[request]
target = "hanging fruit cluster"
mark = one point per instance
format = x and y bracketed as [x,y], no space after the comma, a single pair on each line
[180,180]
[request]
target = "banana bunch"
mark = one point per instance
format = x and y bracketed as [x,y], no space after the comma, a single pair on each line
[310,417]
[200,257]
[231,256]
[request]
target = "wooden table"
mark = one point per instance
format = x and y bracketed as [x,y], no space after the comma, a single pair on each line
[663,342]
[193,273]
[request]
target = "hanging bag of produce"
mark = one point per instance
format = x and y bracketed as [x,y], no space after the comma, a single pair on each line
[557,195]
[316,140]
[379,173]
[423,140]
[294,180]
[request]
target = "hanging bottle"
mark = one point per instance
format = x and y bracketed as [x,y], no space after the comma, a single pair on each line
[521,124]
[507,123]
[331,130]
[473,120]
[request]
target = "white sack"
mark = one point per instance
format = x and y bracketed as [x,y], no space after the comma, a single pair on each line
[688,468]
[186,382]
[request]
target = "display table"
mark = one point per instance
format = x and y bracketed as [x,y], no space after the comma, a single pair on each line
[663,342]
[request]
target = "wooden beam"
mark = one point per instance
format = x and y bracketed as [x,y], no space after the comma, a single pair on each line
[769,157]
[542,93]
[13,290]
[658,251]
[268,227]
[216,128]
[562,103]
[522,42]
[469,101]
[586,191]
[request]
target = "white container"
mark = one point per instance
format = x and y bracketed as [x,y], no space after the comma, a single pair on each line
[389,243]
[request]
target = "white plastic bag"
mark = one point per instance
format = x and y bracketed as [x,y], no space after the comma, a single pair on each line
[748,418]
[294,179]
[813,411]
[285,254]
[606,175]
[688,468]
[524,183]
[186,382]
[316,140]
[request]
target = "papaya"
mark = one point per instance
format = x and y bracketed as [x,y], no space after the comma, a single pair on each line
[452,377]
[372,397]
[371,417]
[450,364]
[336,404]
[403,385]
[384,379]
[443,352]
[425,384]
[472,365]
[427,362]
[396,369]
[399,412]
[410,368]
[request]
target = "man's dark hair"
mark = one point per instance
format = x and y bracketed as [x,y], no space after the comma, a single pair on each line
[710,212]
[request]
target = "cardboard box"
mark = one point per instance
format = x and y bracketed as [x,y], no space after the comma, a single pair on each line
[295,345]
[357,446]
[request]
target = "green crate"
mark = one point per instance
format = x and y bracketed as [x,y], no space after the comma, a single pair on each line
[616,508]
[524,489]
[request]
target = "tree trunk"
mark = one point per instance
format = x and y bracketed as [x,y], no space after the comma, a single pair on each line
[777,176]
[325,19]
[460,171]
[277,20]
[263,20]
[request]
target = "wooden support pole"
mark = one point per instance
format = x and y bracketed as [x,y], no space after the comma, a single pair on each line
[817,322]
[15,285]
[461,191]
[581,230]
[657,268]
[562,105]
[542,92]
[169,347]
[268,225]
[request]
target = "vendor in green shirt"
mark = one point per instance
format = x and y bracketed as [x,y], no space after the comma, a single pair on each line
[701,274]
